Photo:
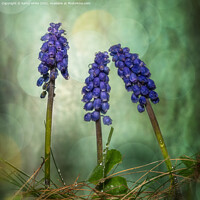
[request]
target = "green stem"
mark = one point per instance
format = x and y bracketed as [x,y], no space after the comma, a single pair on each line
[99,141]
[48,131]
[160,139]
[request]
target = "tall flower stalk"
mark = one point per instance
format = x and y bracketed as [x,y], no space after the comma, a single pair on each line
[136,77]
[96,97]
[159,138]
[53,57]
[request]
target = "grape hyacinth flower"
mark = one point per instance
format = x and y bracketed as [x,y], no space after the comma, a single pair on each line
[135,75]
[53,57]
[96,97]
[96,90]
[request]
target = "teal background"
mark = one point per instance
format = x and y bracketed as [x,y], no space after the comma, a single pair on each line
[166,36]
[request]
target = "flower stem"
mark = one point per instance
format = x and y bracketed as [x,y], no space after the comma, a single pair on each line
[48,131]
[160,139]
[99,141]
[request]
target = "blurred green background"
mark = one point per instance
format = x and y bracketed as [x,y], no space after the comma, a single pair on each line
[166,36]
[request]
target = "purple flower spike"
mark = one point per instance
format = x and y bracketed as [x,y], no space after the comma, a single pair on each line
[96,89]
[53,56]
[135,75]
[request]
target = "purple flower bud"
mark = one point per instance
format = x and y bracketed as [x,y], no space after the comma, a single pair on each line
[142,79]
[52,25]
[120,73]
[94,65]
[134,56]
[59,56]
[104,96]
[107,120]
[84,90]
[40,55]
[105,107]
[65,74]
[87,97]
[96,72]
[103,86]
[65,62]
[88,106]
[45,37]
[50,61]
[51,43]
[107,79]
[134,98]
[40,81]
[126,50]
[136,90]
[120,64]
[108,88]
[127,82]
[115,58]
[122,57]
[96,82]
[144,90]
[87,117]
[90,86]
[129,88]
[57,26]
[136,69]
[44,47]
[140,108]
[144,71]
[133,78]
[63,41]
[128,62]
[102,76]
[97,104]
[43,69]
[142,100]
[153,95]
[95,115]
[87,80]
[44,57]
[106,70]
[136,61]
[151,85]
[60,66]
[127,72]
[96,92]
[58,45]
[155,101]
[52,51]
[127,55]
[46,77]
